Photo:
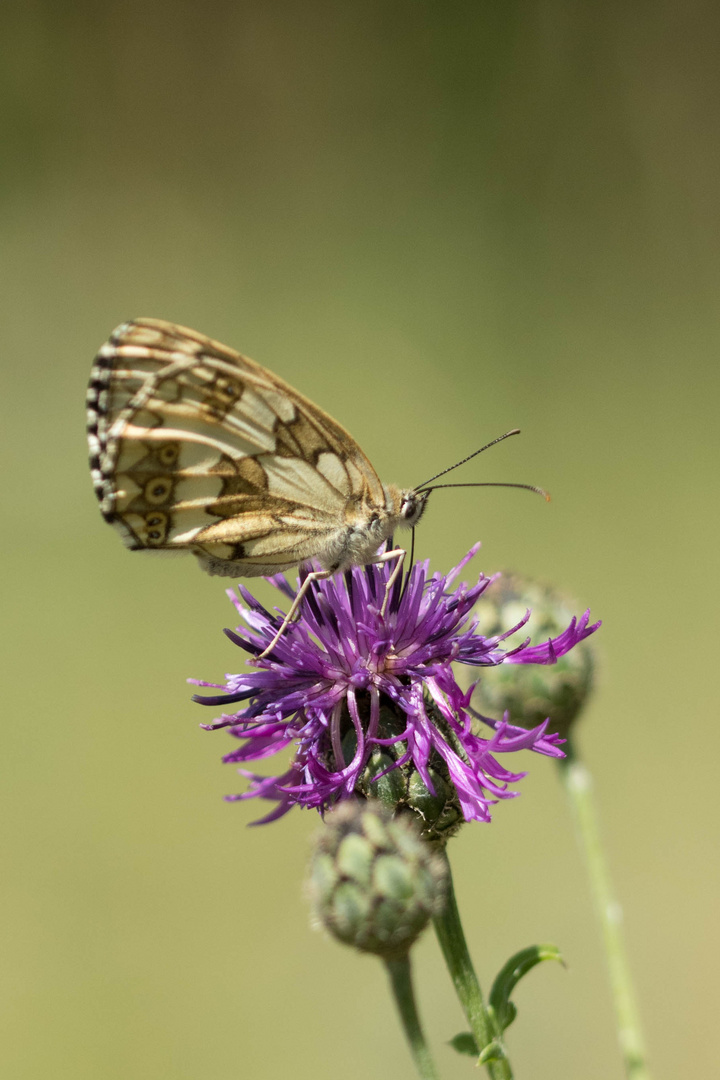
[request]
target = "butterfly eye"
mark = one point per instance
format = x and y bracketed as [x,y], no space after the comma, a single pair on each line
[158,490]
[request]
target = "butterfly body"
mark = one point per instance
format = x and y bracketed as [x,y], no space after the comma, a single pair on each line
[335,547]
[194,447]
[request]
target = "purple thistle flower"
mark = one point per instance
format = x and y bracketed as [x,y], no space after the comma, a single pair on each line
[331,673]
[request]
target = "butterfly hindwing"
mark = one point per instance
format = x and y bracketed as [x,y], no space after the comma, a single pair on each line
[195,446]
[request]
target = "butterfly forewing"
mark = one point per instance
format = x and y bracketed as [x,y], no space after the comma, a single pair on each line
[194,446]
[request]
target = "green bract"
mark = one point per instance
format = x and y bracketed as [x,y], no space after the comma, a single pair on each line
[437,814]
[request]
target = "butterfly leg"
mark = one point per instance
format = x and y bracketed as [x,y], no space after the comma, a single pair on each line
[314,575]
[399,555]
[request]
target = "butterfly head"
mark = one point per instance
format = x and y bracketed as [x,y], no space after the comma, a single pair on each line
[405,506]
[412,507]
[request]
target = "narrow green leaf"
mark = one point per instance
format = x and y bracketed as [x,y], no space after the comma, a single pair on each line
[509,976]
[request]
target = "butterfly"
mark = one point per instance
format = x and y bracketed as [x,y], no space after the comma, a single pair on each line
[194,447]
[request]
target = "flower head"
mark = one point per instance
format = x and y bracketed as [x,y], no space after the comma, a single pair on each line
[326,680]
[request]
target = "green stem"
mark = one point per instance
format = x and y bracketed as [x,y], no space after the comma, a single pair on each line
[448,928]
[578,784]
[401,981]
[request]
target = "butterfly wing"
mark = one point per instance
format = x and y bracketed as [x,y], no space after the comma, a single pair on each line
[195,447]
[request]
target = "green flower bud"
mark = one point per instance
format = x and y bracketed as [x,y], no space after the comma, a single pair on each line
[401,788]
[374,883]
[531,693]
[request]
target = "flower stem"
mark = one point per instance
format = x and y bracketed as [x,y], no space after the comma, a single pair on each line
[401,981]
[448,928]
[578,784]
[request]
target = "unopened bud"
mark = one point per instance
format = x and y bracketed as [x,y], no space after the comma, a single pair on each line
[374,884]
[531,693]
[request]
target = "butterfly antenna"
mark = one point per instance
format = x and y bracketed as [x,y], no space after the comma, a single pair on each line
[515,431]
[525,487]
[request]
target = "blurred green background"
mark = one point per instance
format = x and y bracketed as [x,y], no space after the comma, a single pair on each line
[439,220]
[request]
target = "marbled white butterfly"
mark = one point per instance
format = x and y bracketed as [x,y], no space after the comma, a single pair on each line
[194,447]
